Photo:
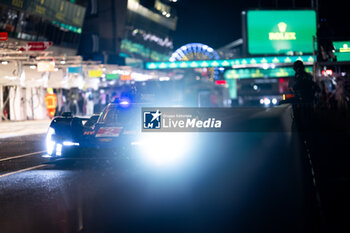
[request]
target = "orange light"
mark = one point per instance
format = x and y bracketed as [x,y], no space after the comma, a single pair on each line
[287,96]
[125,77]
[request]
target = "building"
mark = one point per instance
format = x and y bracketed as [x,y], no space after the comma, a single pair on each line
[55,25]
[58,21]
[128,32]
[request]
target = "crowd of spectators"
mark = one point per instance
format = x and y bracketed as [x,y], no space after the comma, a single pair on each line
[83,103]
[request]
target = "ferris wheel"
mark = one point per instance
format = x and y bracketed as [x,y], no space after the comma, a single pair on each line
[197,51]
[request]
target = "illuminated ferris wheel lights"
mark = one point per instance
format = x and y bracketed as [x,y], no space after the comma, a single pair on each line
[197,48]
[197,51]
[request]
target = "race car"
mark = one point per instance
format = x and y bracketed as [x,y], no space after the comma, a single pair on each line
[114,133]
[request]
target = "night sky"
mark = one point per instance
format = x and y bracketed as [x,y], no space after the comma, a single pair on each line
[218,23]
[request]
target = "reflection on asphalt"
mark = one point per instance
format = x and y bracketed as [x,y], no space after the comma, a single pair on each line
[240,182]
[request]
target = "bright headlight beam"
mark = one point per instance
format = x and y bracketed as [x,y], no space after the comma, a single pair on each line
[59,149]
[163,149]
[50,144]
[68,143]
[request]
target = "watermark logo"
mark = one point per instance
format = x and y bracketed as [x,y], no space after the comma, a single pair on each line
[180,120]
[177,119]
[152,120]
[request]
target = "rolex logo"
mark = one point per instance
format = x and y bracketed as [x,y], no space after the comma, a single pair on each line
[282,34]
[282,27]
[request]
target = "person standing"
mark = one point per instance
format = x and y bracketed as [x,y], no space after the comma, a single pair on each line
[302,85]
[90,105]
[303,88]
[81,103]
[51,102]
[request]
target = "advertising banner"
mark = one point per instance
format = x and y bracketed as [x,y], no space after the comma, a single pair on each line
[75,69]
[281,31]
[95,73]
[3,36]
[342,50]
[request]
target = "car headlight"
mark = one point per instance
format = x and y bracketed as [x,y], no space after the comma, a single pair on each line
[50,143]
[267,101]
[163,149]
[69,143]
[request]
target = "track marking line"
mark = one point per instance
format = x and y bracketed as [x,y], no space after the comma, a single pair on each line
[23,170]
[21,156]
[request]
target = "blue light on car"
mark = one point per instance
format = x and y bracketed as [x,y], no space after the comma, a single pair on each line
[124,102]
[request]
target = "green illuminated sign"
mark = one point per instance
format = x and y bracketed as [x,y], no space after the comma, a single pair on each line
[232,87]
[261,73]
[342,49]
[68,27]
[112,76]
[281,32]
[253,61]
[128,46]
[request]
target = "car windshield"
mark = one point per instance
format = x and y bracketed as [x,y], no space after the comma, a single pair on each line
[112,115]
[115,115]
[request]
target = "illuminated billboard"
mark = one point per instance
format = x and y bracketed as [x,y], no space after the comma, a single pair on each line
[251,61]
[342,50]
[262,73]
[280,32]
